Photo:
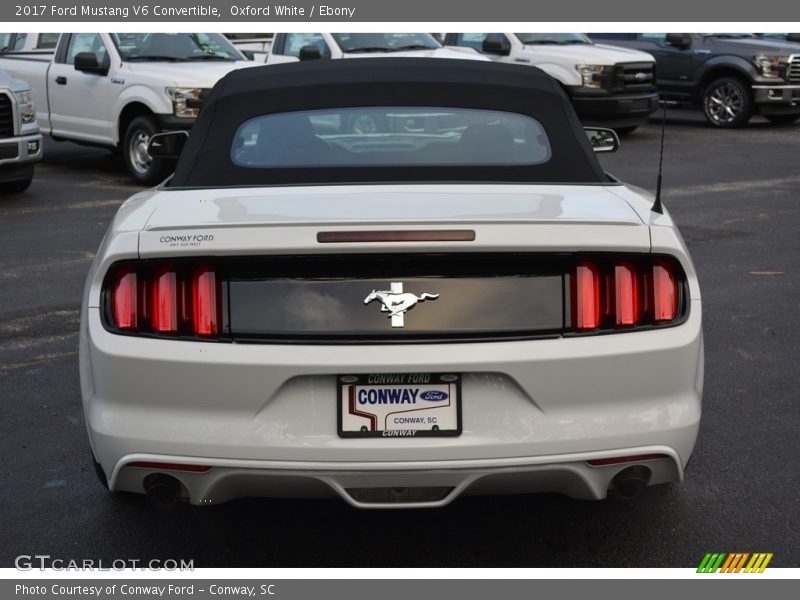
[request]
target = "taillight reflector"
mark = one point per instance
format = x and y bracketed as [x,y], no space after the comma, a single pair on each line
[124,300]
[205,308]
[617,460]
[626,295]
[164,302]
[586,297]
[170,466]
[665,293]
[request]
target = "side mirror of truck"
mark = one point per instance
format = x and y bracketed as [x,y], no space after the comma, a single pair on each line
[167,145]
[86,62]
[679,40]
[602,140]
[496,44]
[309,52]
[793,37]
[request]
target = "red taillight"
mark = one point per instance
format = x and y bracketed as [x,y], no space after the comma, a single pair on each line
[124,301]
[205,305]
[164,302]
[622,292]
[626,295]
[586,297]
[665,293]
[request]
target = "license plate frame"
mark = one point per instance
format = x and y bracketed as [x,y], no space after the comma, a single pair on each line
[345,403]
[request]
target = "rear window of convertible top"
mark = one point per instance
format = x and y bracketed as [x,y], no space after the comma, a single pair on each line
[390,136]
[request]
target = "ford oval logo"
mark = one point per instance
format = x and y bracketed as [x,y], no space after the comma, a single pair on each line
[640,76]
[433,396]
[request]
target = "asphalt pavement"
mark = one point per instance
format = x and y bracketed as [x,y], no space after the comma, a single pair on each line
[736,197]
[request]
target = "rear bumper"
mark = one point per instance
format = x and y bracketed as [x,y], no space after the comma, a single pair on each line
[620,111]
[399,485]
[264,416]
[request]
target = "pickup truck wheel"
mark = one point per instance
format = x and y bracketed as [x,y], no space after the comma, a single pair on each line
[143,168]
[17,187]
[782,119]
[727,103]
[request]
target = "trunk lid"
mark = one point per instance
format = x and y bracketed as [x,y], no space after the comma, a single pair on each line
[285,220]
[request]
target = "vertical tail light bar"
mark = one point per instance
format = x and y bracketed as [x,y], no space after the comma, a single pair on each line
[205,302]
[626,295]
[586,296]
[124,300]
[185,303]
[665,293]
[164,302]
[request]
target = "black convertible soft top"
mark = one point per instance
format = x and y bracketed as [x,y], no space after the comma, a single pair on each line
[420,82]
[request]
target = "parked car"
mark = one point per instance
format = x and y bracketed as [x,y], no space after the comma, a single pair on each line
[731,76]
[783,37]
[461,302]
[255,46]
[118,89]
[20,140]
[32,43]
[293,47]
[613,87]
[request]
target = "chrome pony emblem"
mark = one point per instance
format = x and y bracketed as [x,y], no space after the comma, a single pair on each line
[396,302]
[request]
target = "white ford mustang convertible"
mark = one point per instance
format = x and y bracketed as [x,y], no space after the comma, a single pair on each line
[395,282]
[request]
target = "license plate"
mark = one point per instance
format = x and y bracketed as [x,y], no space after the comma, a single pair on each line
[399,405]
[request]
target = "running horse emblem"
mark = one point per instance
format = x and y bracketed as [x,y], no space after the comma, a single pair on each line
[396,302]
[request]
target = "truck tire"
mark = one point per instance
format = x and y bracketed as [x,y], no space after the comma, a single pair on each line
[144,168]
[727,103]
[18,186]
[782,119]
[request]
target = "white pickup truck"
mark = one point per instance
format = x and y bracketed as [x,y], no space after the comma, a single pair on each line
[20,140]
[292,47]
[255,46]
[609,86]
[118,89]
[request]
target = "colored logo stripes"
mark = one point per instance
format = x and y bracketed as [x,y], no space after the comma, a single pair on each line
[735,562]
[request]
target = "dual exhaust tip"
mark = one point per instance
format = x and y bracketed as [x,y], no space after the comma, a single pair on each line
[629,483]
[163,491]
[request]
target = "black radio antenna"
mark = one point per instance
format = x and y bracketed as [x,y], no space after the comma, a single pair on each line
[657,204]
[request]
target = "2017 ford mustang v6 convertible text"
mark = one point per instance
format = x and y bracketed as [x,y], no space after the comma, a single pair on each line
[456,300]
